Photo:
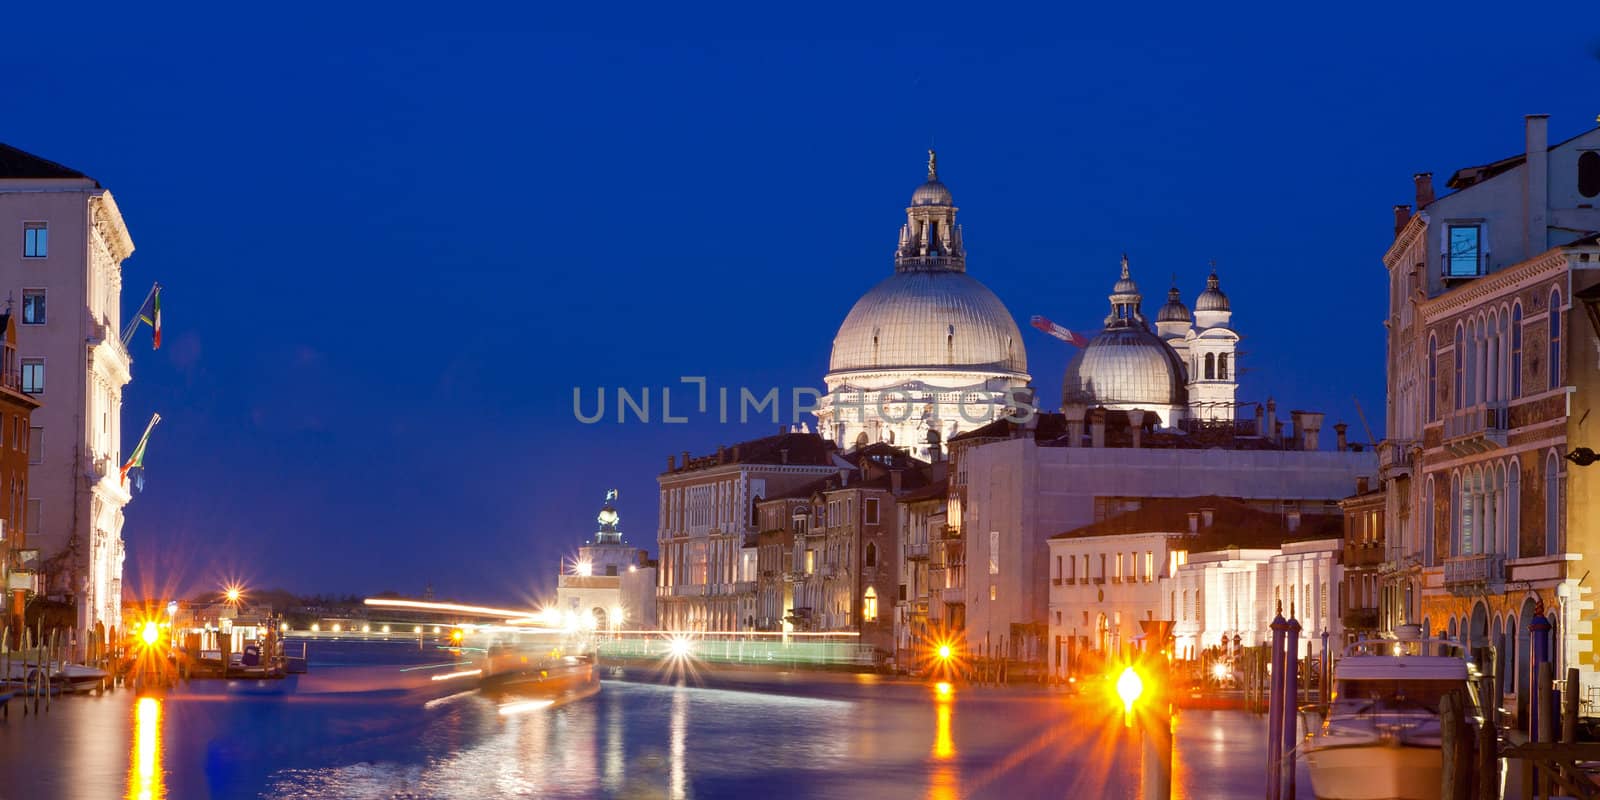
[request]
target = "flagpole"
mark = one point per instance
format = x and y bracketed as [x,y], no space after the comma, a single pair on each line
[133,327]
[154,418]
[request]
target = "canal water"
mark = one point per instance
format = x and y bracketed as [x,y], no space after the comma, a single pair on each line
[366,723]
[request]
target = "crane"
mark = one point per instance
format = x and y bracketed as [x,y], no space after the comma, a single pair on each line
[1076,339]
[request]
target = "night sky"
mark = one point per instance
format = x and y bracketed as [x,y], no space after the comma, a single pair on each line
[392,243]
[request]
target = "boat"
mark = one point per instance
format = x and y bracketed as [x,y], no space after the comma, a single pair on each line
[69,677]
[557,666]
[1380,736]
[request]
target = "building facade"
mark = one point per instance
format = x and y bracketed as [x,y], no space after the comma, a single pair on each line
[929,351]
[1492,370]
[19,561]
[62,244]
[610,581]
[1361,610]
[707,522]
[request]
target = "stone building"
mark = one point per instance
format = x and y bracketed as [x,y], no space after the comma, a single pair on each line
[19,559]
[1492,373]
[1363,556]
[707,522]
[62,244]
[932,572]
[609,581]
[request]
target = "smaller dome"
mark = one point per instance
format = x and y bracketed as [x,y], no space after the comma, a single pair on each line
[1174,310]
[932,193]
[1125,284]
[1126,367]
[1212,299]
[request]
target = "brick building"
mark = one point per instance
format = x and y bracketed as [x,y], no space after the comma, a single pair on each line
[19,559]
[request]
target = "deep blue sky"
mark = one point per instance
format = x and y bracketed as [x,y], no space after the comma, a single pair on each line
[393,245]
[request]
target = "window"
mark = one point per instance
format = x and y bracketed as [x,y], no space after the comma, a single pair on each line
[1460,371]
[1058,569]
[1555,339]
[811,561]
[1116,573]
[994,552]
[35,446]
[1516,351]
[872,555]
[869,605]
[1222,367]
[35,239]
[1463,250]
[1552,505]
[870,508]
[33,517]
[1149,566]
[1433,378]
[33,306]
[991,591]
[1589,173]
[1513,508]
[1211,366]
[1428,523]
[33,375]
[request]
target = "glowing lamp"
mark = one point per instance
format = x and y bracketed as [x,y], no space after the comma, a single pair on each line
[150,633]
[1219,671]
[386,629]
[1129,687]
[337,627]
[680,647]
[944,652]
[366,629]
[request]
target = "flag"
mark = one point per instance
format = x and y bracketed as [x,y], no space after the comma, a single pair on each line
[153,319]
[136,461]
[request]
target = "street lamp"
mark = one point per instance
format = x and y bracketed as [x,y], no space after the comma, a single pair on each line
[1582,456]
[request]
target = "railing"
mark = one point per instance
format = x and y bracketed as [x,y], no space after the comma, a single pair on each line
[954,594]
[1363,554]
[1486,421]
[1101,581]
[916,551]
[744,587]
[1482,568]
[952,531]
[743,649]
[1395,453]
[1361,619]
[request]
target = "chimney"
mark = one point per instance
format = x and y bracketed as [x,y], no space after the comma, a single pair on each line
[1194,522]
[1097,427]
[1272,429]
[1277,431]
[1292,521]
[722,454]
[686,459]
[1402,215]
[1307,424]
[736,453]
[1536,187]
[1074,414]
[1361,485]
[1342,442]
[1208,516]
[1424,181]
[1261,428]
[782,429]
[1136,426]
[672,464]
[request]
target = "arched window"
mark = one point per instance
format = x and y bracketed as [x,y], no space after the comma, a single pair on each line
[1458,364]
[1211,366]
[1222,366]
[869,605]
[1516,351]
[1513,509]
[872,558]
[1455,513]
[1589,173]
[1467,508]
[1428,524]
[1555,339]
[1433,378]
[1469,397]
[1552,504]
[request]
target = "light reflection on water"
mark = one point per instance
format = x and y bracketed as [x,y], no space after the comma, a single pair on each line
[827,738]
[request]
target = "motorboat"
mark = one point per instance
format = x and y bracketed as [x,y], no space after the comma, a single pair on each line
[1380,737]
[69,677]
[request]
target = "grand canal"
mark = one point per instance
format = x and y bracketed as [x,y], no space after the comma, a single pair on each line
[356,727]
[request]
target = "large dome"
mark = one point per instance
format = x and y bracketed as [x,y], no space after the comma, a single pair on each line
[929,319]
[1128,367]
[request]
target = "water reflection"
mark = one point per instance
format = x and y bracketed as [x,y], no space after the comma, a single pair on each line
[678,729]
[945,781]
[146,781]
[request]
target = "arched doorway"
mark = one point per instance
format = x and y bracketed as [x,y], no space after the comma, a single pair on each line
[1478,629]
[1524,658]
[600,619]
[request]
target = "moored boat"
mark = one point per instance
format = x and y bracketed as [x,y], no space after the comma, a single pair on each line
[1380,738]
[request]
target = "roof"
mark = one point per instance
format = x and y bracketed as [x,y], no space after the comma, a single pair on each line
[804,490]
[788,448]
[933,491]
[1233,524]
[1470,176]
[16,163]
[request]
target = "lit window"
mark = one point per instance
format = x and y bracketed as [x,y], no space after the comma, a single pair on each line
[991,591]
[1149,565]
[35,239]
[869,605]
[1463,250]
[33,307]
[33,375]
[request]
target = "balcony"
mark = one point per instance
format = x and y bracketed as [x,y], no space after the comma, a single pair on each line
[1055,581]
[1476,430]
[1363,554]
[744,587]
[1101,581]
[1360,619]
[1395,456]
[955,594]
[916,551]
[951,532]
[1474,574]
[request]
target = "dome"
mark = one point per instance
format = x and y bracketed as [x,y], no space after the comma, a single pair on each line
[932,193]
[1212,299]
[1174,310]
[1127,366]
[938,318]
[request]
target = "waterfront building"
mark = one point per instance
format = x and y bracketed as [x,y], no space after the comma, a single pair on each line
[609,581]
[929,351]
[930,556]
[19,560]
[1015,485]
[706,534]
[1195,562]
[1491,374]
[784,520]
[1364,521]
[62,244]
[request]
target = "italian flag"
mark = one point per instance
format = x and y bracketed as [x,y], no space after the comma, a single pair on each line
[153,319]
[137,459]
